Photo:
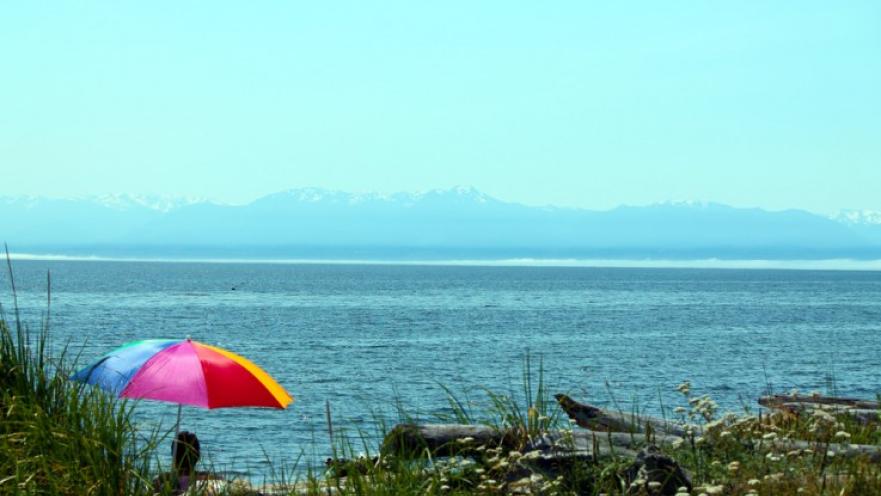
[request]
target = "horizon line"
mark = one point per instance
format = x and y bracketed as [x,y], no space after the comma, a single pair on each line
[831,264]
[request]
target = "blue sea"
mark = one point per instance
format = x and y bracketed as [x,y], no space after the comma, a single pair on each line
[372,340]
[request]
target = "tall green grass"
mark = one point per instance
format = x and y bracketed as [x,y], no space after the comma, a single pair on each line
[59,436]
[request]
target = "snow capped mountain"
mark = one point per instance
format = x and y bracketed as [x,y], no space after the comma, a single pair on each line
[307,195]
[858,217]
[160,203]
[27,201]
[441,221]
[688,204]
[458,193]
[116,201]
[335,197]
[866,223]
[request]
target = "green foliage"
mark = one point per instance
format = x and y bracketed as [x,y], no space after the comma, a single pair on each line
[58,436]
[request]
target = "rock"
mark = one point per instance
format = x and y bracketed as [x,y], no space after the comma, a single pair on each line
[652,466]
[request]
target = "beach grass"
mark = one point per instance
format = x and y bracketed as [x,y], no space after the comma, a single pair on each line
[58,436]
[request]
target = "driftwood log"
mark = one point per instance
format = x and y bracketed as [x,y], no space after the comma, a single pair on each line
[862,411]
[604,420]
[777,399]
[871,452]
[454,439]
[440,439]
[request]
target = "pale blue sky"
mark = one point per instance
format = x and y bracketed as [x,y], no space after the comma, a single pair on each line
[587,104]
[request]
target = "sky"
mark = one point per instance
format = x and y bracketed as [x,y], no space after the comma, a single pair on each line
[582,104]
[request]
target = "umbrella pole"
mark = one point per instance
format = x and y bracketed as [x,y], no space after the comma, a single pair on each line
[177,424]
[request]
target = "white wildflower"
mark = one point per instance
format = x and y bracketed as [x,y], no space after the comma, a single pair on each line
[532,455]
[822,416]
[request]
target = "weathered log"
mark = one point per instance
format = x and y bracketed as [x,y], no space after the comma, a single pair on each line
[872,453]
[860,415]
[595,445]
[862,411]
[773,400]
[439,439]
[601,419]
[454,439]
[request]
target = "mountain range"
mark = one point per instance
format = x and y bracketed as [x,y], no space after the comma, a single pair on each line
[453,223]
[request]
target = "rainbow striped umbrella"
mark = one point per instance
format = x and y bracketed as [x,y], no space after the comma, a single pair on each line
[185,372]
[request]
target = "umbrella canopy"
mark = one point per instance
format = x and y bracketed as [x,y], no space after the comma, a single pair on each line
[185,372]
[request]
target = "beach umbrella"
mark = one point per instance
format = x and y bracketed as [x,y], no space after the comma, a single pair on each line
[185,372]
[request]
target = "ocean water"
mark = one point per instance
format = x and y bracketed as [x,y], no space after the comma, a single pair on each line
[370,339]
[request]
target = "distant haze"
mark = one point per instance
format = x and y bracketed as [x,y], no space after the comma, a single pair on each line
[571,103]
[459,223]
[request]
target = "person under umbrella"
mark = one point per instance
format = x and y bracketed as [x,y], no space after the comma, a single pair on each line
[184,372]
